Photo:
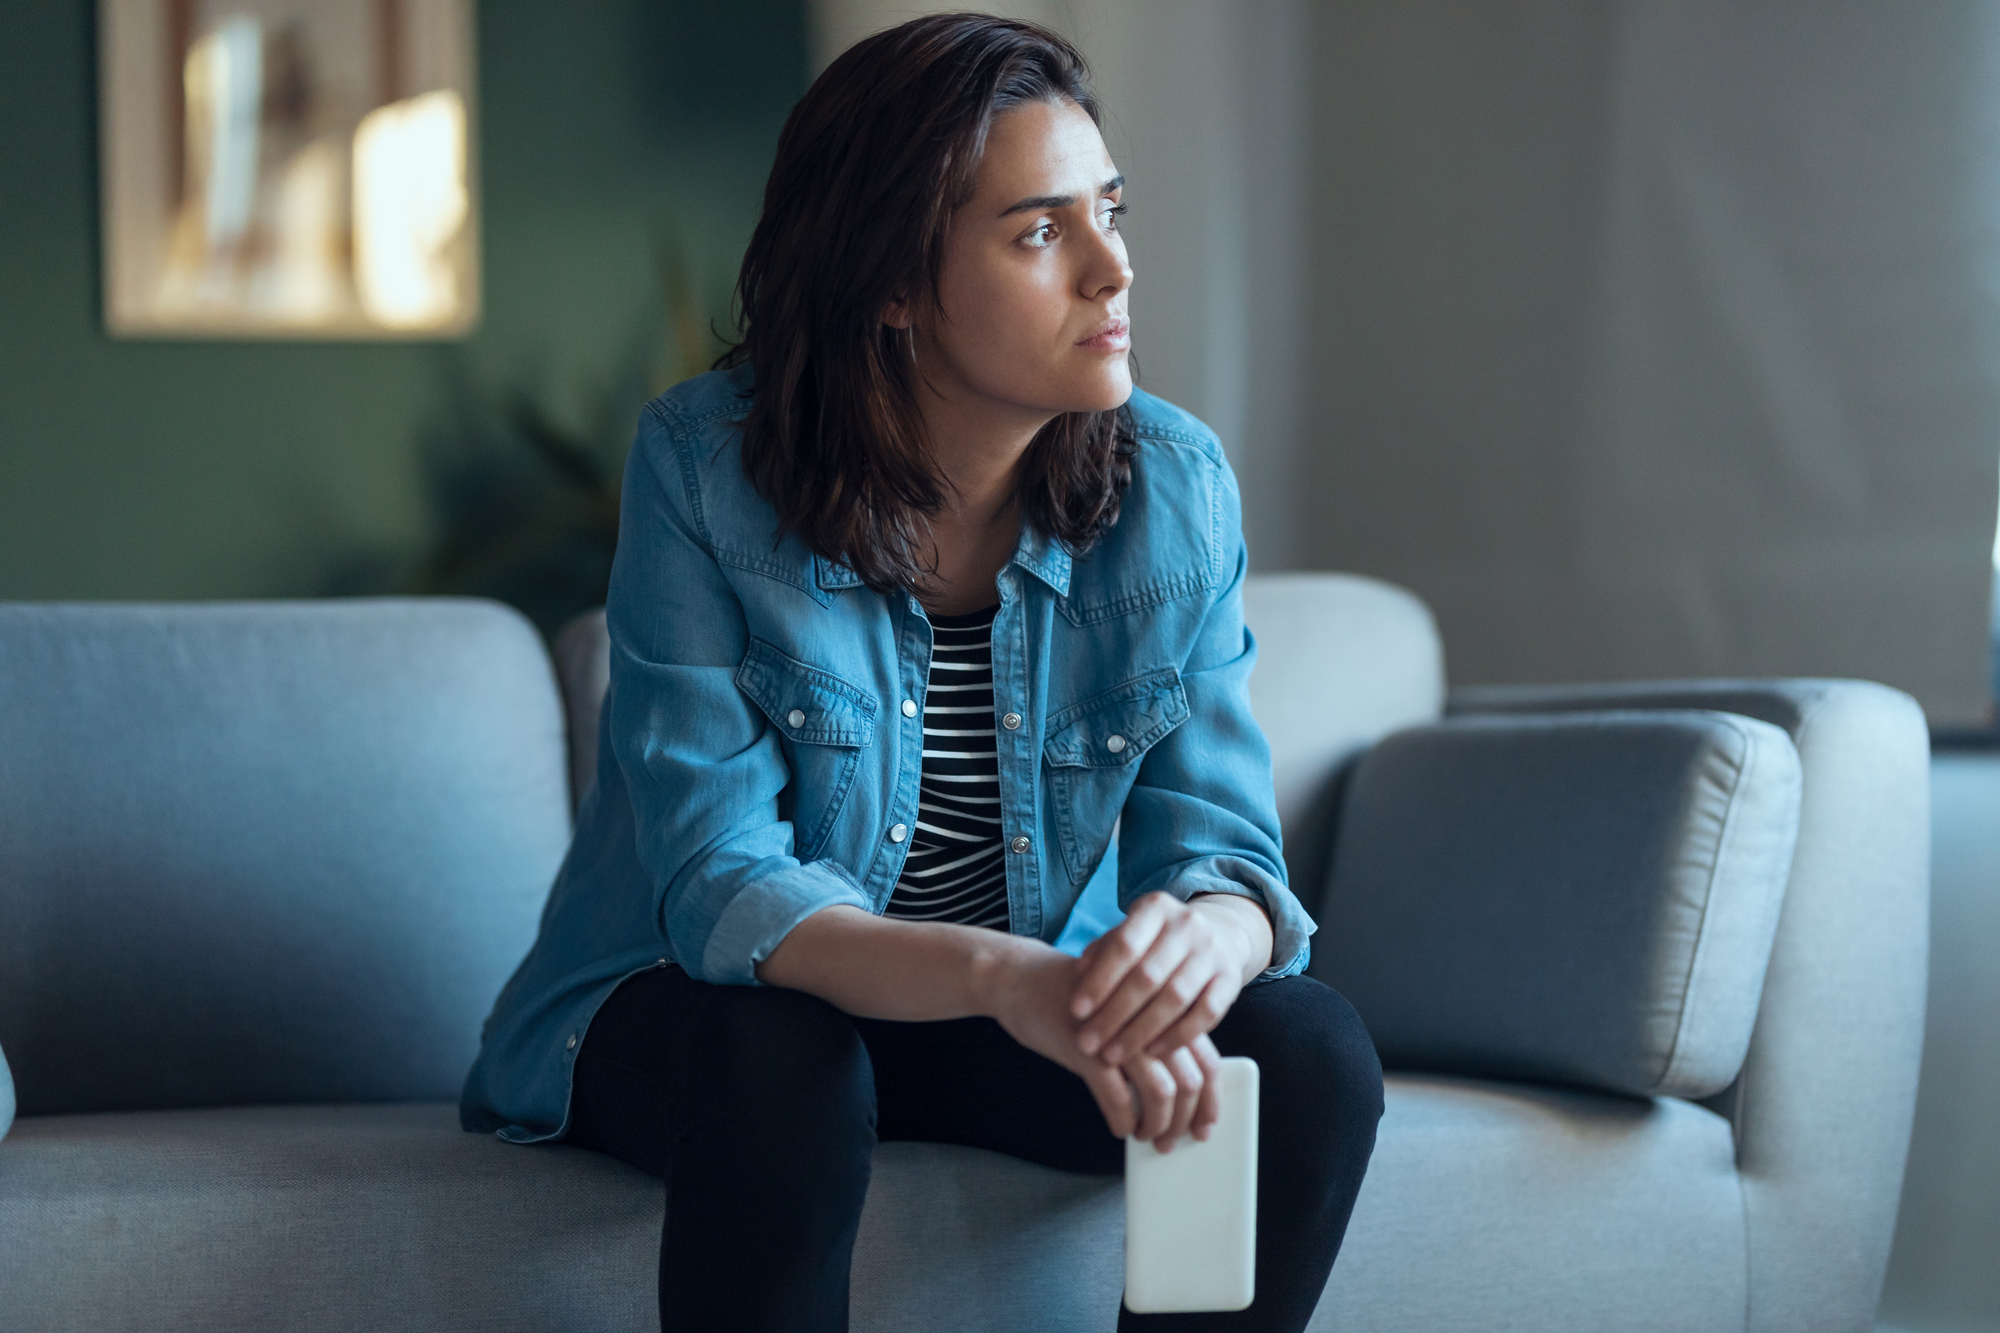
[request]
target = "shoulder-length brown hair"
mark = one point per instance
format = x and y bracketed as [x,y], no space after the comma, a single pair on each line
[871,165]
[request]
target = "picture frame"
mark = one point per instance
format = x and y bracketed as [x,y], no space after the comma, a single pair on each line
[288,169]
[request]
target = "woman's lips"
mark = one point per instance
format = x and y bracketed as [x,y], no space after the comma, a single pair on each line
[1114,335]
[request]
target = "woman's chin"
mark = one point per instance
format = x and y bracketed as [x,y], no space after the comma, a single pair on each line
[1111,387]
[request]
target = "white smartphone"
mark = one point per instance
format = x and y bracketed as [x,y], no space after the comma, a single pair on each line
[1191,1214]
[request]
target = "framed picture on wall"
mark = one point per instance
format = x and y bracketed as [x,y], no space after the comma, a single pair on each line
[288,168]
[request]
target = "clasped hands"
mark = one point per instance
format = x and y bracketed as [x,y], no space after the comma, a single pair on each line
[1132,1015]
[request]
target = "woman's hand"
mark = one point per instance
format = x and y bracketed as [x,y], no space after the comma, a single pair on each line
[1166,974]
[912,972]
[1178,1094]
[1027,989]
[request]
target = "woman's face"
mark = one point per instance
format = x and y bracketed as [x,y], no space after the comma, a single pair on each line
[1031,298]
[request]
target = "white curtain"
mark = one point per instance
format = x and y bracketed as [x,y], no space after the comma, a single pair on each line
[1662,339]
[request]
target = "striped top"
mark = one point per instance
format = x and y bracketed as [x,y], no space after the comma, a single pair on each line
[957,870]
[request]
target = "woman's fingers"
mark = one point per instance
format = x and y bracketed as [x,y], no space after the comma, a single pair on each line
[1186,998]
[1161,1100]
[1170,1094]
[1113,1094]
[1154,1081]
[1144,981]
[1209,1110]
[1189,1083]
[1195,1020]
[1180,986]
[1117,951]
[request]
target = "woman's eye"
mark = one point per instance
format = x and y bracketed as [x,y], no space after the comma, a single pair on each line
[1042,236]
[1110,216]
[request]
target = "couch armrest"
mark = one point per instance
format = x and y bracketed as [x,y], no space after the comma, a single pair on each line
[1585,899]
[1822,1108]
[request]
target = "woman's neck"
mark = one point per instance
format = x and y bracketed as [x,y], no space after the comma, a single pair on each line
[980,453]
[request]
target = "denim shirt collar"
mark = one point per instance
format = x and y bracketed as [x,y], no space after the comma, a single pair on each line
[1043,556]
[1040,554]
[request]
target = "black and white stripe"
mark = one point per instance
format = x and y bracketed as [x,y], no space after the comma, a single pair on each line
[956,870]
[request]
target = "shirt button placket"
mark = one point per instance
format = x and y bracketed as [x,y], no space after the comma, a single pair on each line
[899,833]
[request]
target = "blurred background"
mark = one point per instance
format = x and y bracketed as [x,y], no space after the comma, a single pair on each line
[621,149]
[1641,339]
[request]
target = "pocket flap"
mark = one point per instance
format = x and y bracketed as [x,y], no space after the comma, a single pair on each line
[1119,725]
[804,702]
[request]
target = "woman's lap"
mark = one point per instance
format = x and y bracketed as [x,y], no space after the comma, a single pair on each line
[762,1108]
[664,1044]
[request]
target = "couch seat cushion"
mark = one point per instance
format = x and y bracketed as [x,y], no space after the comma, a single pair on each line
[392,1218]
[1487,1207]
[316,1217]
[1494,1207]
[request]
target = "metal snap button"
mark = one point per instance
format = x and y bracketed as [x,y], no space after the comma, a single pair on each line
[796,718]
[909,708]
[1012,721]
[571,1045]
[1021,844]
[898,832]
[1115,744]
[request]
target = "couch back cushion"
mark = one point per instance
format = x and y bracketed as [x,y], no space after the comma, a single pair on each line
[1342,661]
[1585,898]
[267,852]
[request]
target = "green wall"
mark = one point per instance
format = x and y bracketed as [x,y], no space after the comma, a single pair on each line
[154,469]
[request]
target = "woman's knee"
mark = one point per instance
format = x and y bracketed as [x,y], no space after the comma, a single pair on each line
[765,1052]
[1312,1049]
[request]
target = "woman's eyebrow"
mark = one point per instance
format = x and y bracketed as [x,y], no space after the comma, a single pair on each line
[1059,200]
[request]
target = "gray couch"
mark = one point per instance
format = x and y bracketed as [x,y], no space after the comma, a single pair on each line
[264,867]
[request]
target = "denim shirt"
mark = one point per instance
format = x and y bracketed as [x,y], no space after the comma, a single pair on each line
[762,739]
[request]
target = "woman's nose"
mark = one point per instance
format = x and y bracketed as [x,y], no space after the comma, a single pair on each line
[1109,271]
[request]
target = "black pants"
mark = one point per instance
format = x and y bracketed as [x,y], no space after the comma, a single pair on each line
[761,1108]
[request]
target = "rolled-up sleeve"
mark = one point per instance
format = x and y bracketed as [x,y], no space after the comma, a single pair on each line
[1202,815]
[703,767]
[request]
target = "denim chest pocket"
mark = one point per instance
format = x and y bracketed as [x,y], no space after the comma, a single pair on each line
[826,723]
[1092,751]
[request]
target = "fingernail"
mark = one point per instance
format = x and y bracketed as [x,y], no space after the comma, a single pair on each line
[1113,1053]
[1088,1041]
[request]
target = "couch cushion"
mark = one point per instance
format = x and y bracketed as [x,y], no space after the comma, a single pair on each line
[263,853]
[1504,1208]
[1487,1207]
[391,1217]
[1342,661]
[316,1218]
[1586,897]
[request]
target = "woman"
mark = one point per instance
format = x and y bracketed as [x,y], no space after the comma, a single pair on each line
[912,603]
